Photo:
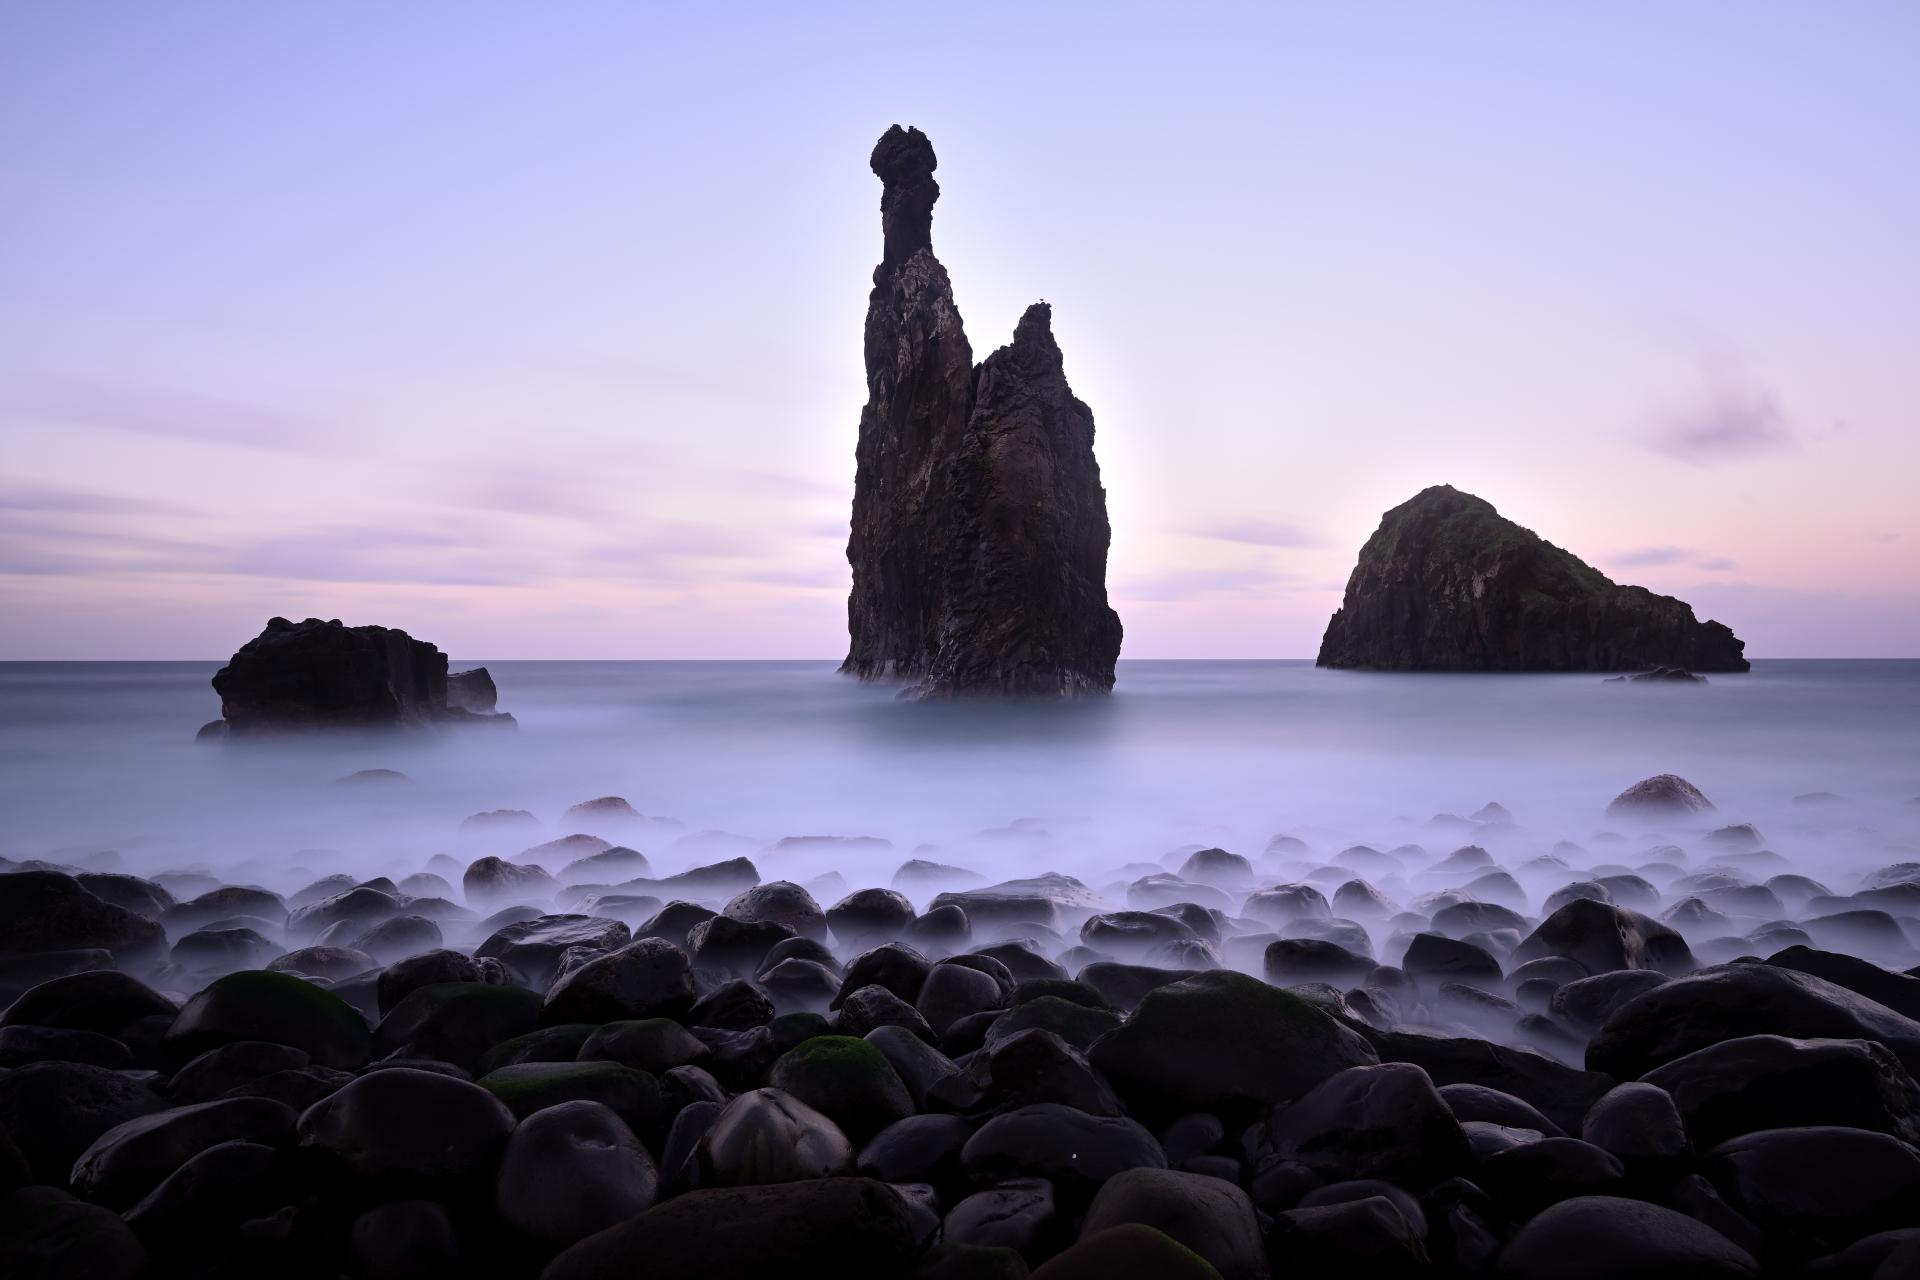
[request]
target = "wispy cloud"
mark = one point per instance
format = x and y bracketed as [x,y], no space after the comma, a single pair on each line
[173,415]
[1261,533]
[84,502]
[1647,557]
[1734,416]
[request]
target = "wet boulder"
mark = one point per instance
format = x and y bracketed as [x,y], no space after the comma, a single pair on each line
[1735,1000]
[532,950]
[571,1170]
[54,1111]
[847,1080]
[1606,1237]
[102,1000]
[403,977]
[1817,1188]
[869,917]
[1386,1121]
[1074,1151]
[779,902]
[457,1022]
[848,1228]
[1212,1217]
[1130,1251]
[1759,1082]
[650,978]
[1605,938]
[51,911]
[402,1132]
[491,881]
[767,1136]
[1223,1041]
[46,1234]
[132,1158]
[255,1004]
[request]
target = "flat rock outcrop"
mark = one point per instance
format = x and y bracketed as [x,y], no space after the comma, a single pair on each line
[980,534]
[324,674]
[1448,584]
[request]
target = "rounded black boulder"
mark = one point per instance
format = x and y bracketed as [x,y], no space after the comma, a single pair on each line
[1607,1238]
[1223,1041]
[1772,1082]
[1130,1251]
[1071,1149]
[256,1004]
[1820,1187]
[768,1136]
[1386,1121]
[51,911]
[868,917]
[633,1095]
[399,1132]
[779,902]
[648,978]
[1604,937]
[848,1228]
[570,1170]
[1734,1000]
[457,1022]
[847,1080]
[129,1160]
[102,1000]
[1210,1216]
[53,1111]
[46,1234]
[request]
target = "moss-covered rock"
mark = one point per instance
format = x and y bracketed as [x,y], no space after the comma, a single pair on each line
[256,1004]
[847,1080]
[546,1044]
[633,1095]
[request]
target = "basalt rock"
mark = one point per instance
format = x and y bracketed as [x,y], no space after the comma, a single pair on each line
[979,541]
[1447,584]
[323,674]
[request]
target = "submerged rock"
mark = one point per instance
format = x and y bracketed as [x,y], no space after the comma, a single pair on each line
[1448,584]
[979,543]
[324,674]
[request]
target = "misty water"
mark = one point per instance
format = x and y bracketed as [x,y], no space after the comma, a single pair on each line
[736,756]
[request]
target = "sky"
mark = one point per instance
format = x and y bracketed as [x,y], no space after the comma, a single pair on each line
[536,329]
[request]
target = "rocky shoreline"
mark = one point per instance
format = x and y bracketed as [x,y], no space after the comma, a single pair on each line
[1671,1054]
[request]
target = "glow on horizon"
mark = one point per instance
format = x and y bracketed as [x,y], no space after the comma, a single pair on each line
[542,339]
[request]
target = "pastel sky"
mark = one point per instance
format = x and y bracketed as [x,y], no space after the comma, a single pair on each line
[535,329]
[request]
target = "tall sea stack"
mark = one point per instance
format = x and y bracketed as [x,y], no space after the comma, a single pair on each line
[1448,584]
[979,540]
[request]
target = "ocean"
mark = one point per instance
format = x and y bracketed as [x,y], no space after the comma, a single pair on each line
[1822,756]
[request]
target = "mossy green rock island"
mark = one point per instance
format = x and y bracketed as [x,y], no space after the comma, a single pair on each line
[1448,584]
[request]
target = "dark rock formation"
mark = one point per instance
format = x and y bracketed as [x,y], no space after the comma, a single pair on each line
[979,542]
[1446,584]
[317,674]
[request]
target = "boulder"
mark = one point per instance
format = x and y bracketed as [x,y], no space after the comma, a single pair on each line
[1446,584]
[1739,1086]
[399,1132]
[1074,1151]
[1606,1237]
[847,1080]
[1130,1251]
[321,674]
[46,1234]
[1816,1188]
[571,1170]
[255,1004]
[650,978]
[132,1158]
[1663,796]
[1604,938]
[51,911]
[1743,999]
[1223,1041]
[1385,1121]
[54,1111]
[767,1136]
[1212,1217]
[848,1228]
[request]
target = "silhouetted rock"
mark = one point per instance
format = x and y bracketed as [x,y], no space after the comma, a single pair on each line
[323,674]
[1447,584]
[1665,795]
[979,542]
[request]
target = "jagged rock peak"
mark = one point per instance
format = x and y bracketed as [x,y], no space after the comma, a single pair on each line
[1448,584]
[979,531]
[903,160]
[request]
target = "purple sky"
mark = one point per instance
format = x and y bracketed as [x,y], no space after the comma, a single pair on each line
[535,330]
